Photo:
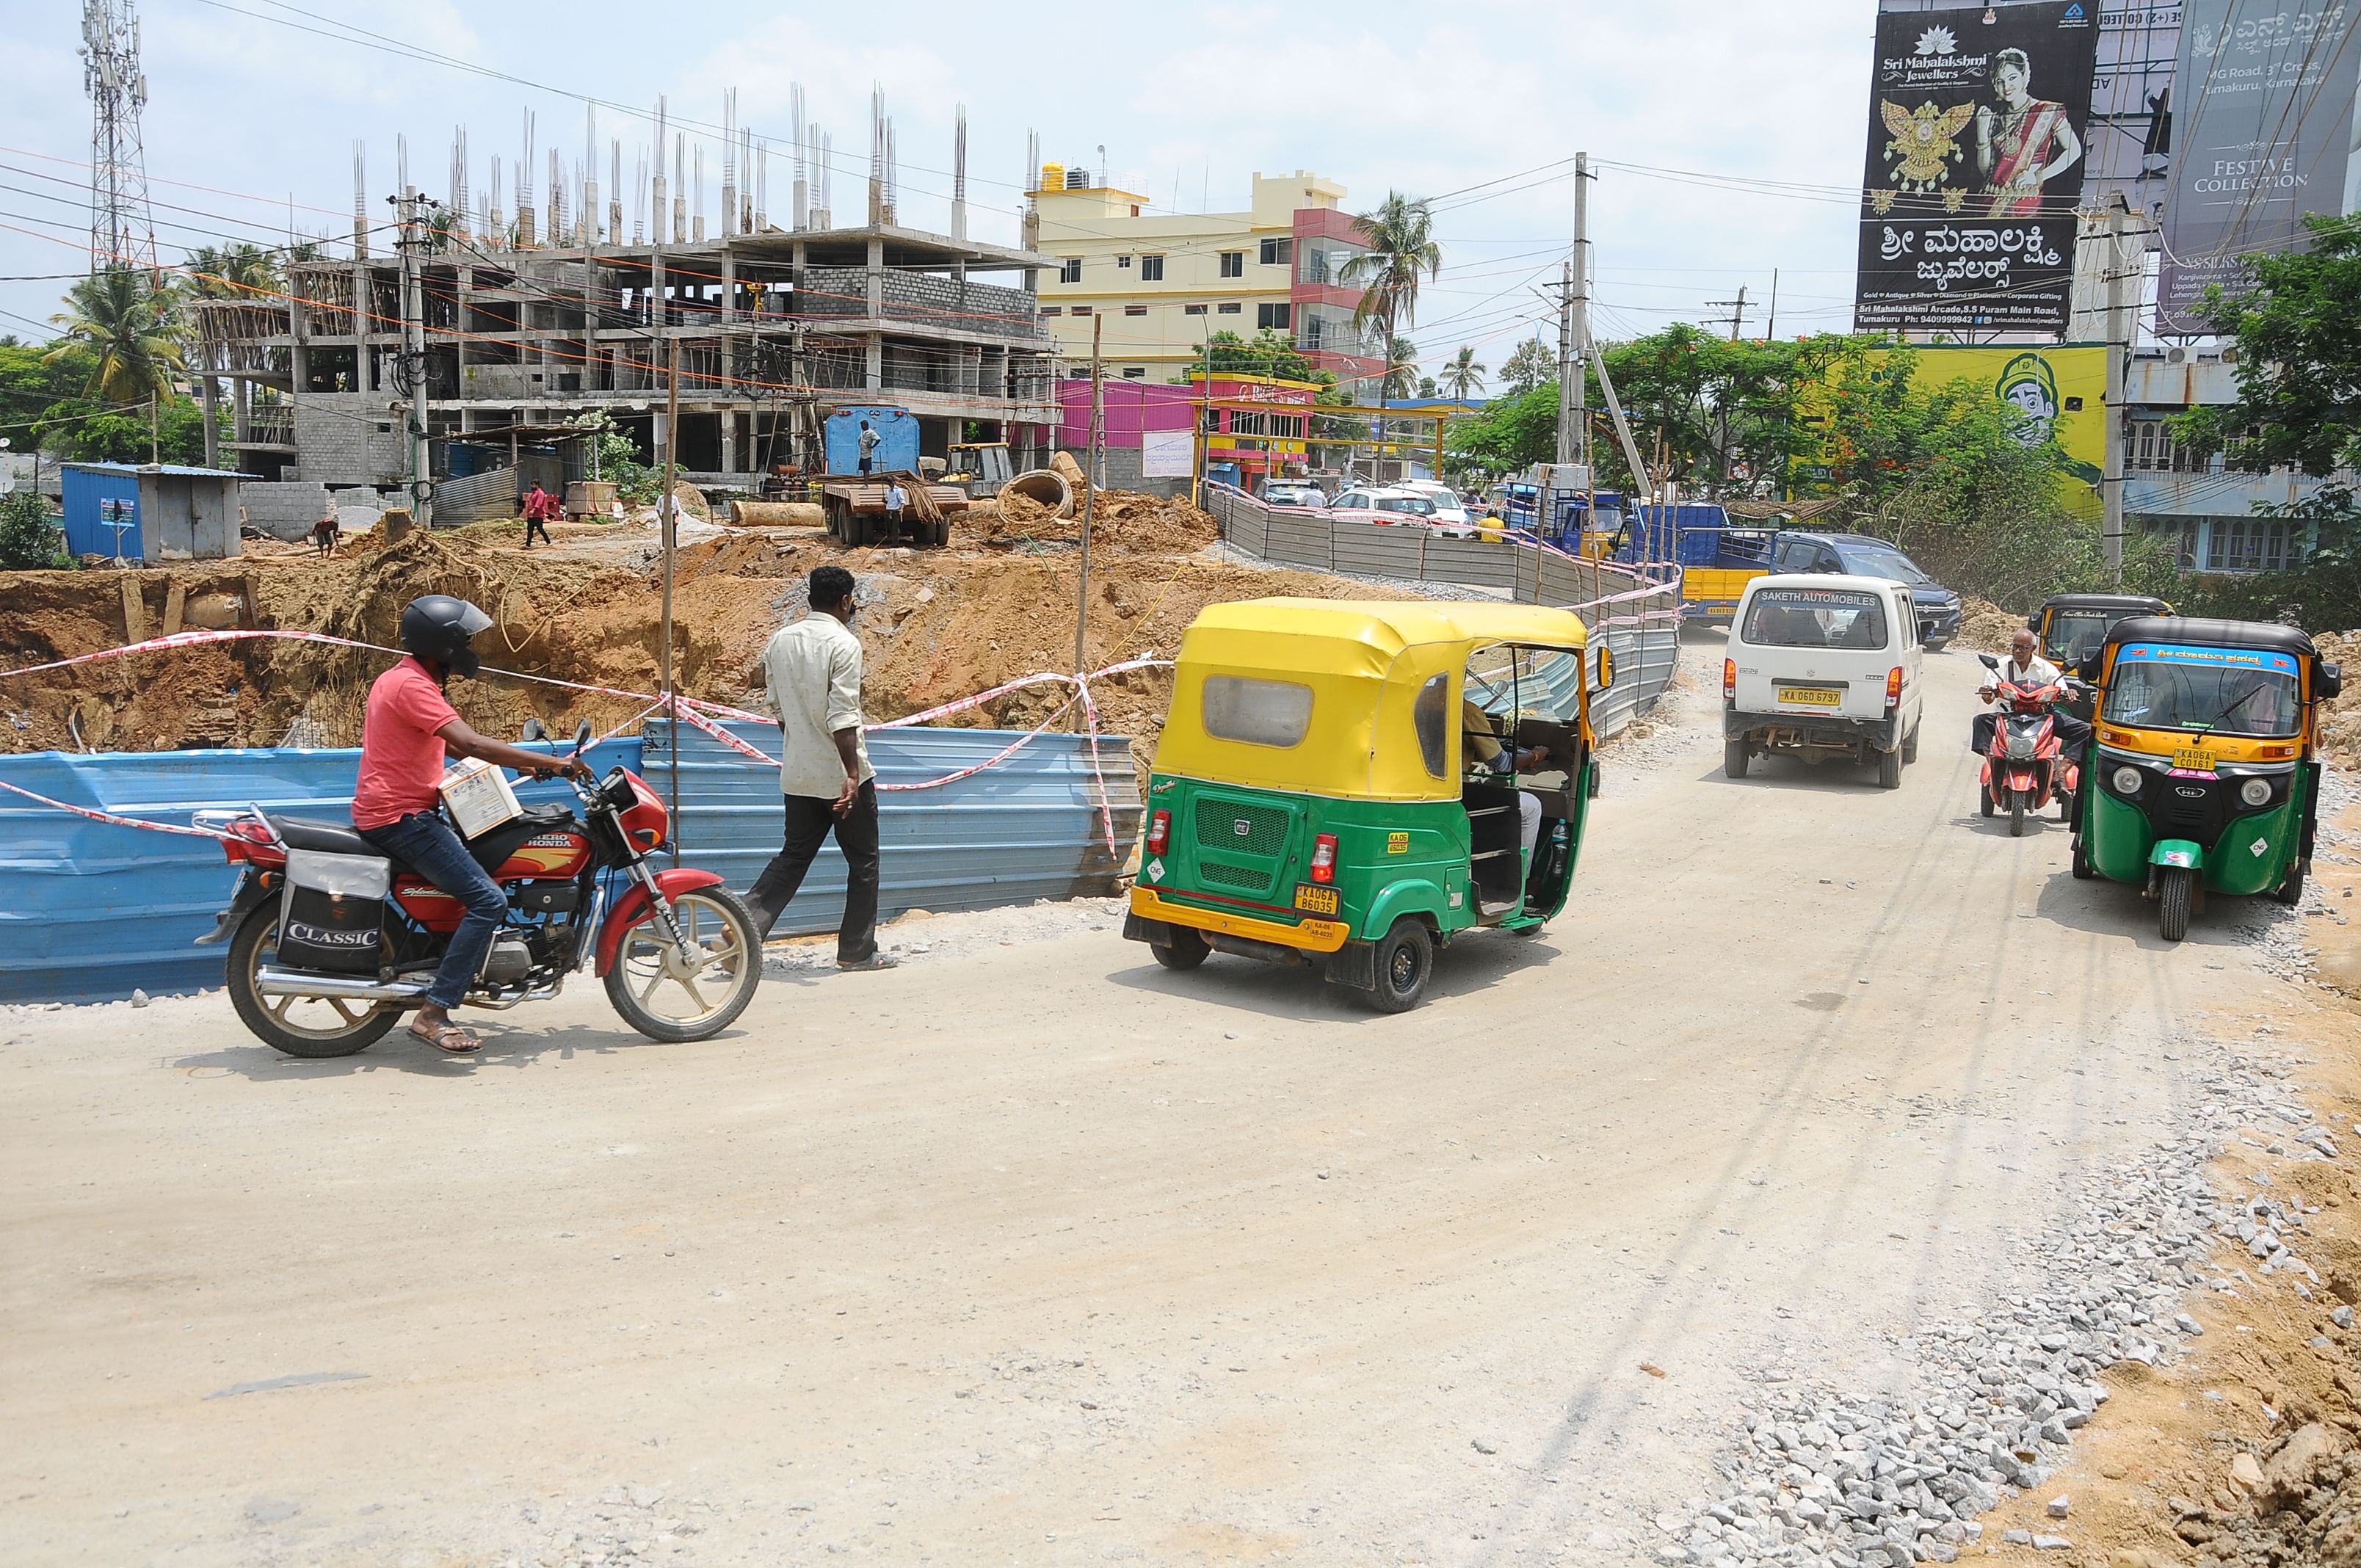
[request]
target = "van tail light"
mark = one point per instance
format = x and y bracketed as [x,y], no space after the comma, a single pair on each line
[1894,686]
[1729,679]
[1323,858]
[1160,832]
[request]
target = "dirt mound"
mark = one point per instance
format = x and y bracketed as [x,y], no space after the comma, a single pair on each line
[1986,627]
[2340,725]
[1121,521]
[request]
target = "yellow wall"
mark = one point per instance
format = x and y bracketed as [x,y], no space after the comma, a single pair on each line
[2046,382]
[1105,226]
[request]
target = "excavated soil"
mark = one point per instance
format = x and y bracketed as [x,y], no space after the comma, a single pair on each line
[936,625]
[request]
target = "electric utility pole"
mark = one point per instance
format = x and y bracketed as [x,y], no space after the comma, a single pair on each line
[2121,271]
[1737,311]
[413,361]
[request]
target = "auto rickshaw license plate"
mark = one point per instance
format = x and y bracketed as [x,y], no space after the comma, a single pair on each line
[1811,697]
[2193,760]
[1315,900]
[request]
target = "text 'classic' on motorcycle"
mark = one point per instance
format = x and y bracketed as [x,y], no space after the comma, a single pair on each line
[2026,767]
[330,942]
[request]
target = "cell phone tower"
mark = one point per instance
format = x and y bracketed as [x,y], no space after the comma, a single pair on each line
[122,226]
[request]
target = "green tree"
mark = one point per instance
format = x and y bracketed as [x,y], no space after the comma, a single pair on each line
[1462,377]
[28,538]
[1508,434]
[230,272]
[1268,353]
[1401,370]
[1529,365]
[125,325]
[31,381]
[1401,245]
[2299,407]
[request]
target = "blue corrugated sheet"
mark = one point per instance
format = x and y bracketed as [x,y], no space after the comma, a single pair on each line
[1027,828]
[96,499]
[89,910]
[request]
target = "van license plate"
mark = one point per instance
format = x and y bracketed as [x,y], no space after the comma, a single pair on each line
[2193,760]
[1811,697]
[1315,900]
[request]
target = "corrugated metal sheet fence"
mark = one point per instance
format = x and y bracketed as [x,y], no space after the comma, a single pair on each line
[1636,613]
[89,911]
[1026,830]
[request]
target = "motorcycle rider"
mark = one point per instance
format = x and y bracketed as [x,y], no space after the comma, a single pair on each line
[410,726]
[2027,669]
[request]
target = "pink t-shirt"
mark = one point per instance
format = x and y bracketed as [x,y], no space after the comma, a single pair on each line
[402,756]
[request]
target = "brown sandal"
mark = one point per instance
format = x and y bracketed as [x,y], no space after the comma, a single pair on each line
[441,1036]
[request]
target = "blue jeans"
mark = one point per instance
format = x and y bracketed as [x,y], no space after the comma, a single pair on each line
[425,843]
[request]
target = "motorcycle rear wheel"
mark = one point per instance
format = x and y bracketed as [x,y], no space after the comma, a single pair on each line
[299,1026]
[654,997]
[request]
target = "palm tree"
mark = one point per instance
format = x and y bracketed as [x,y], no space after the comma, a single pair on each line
[126,326]
[1401,370]
[1462,377]
[230,272]
[1401,239]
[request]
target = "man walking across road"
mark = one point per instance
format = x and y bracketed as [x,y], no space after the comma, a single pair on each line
[538,506]
[814,672]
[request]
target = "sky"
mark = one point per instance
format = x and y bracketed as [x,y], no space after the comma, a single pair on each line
[255,105]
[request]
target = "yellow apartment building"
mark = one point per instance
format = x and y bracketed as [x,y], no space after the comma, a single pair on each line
[1164,281]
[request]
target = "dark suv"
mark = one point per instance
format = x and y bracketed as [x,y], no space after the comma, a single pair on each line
[1862,556]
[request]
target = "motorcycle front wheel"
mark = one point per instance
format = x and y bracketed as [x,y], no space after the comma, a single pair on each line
[299,1026]
[669,999]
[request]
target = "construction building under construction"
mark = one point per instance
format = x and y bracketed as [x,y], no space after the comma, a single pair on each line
[510,341]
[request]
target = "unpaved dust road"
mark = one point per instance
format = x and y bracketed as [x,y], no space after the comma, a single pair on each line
[1037,1254]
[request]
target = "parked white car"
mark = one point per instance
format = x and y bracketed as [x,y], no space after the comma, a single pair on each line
[1450,509]
[1822,666]
[1393,504]
[1293,496]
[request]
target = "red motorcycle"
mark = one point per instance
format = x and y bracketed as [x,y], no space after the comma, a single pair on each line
[2027,767]
[330,942]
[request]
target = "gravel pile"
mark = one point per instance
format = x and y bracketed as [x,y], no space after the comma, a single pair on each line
[1826,1475]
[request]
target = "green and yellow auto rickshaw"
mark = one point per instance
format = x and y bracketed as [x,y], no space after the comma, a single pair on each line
[2074,626]
[2204,776]
[1352,785]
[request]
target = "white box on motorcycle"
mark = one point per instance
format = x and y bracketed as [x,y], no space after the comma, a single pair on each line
[332,910]
[478,795]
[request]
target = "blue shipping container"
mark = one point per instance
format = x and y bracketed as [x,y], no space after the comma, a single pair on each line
[897,446]
[89,911]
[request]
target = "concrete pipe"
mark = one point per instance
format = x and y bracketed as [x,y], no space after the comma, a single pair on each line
[1043,487]
[777,514]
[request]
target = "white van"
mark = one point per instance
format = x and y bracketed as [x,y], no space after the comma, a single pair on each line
[1823,665]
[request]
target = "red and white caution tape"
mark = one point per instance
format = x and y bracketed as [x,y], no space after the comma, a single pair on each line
[95,815]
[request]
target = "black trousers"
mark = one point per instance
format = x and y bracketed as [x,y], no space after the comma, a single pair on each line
[809,821]
[533,525]
[2073,734]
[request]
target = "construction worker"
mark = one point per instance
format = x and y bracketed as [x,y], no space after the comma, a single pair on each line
[538,505]
[867,440]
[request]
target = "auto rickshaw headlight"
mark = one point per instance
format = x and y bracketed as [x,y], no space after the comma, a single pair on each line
[2255,792]
[2128,781]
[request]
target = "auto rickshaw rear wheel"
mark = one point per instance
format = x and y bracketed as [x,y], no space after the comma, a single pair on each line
[2172,899]
[1405,963]
[1183,948]
[2082,869]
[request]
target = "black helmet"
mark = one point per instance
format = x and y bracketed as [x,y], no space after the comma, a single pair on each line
[438,627]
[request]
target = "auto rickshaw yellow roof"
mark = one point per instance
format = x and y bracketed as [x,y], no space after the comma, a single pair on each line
[1389,626]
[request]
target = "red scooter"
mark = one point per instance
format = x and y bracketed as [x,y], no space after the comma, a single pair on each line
[2027,767]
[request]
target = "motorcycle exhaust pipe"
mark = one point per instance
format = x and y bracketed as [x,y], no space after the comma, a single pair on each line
[270,981]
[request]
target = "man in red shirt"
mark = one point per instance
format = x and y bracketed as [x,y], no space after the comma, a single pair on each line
[410,728]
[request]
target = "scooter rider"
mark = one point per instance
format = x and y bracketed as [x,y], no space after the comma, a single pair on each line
[410,728]
[2028,670]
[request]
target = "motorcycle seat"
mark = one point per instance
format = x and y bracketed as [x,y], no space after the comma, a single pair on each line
[324,838]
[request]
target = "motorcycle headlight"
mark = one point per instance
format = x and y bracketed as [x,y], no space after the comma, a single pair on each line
[2128,781]
[2255,792]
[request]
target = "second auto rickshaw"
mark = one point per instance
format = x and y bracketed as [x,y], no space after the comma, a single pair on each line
[1352,785]
[2204,774]
[2074,626]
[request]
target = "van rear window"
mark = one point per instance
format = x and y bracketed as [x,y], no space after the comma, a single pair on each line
[1260,713]
[1814,618]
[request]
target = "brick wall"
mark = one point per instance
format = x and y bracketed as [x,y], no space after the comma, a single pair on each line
[987,308]
[284,510]
[349,438]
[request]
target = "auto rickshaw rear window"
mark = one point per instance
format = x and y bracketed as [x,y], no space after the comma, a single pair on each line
[2075,633]
[1257,712]
[2219,692]
[1814,618]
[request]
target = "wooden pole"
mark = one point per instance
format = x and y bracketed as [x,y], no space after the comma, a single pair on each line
[669,521]
[1090,498]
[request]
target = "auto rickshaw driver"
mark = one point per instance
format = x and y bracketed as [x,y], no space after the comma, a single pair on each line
[1486,757]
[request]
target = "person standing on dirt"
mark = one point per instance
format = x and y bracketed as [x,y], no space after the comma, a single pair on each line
[409,728]
[324,534]
[814,670]
[896,498]
[868,440]
[537,508]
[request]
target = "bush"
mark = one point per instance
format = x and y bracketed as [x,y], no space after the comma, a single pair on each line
[29,540]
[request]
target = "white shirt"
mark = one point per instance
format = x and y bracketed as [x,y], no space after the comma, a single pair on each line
[896,498]
[2040,673]
[814,670]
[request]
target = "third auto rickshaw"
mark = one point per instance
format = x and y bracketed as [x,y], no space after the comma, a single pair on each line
[1353,785]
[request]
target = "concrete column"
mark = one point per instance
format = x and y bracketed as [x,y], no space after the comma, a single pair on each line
[876,279]
[729,287]
[364,373]
[211,393]
[464,291]
[875,380]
